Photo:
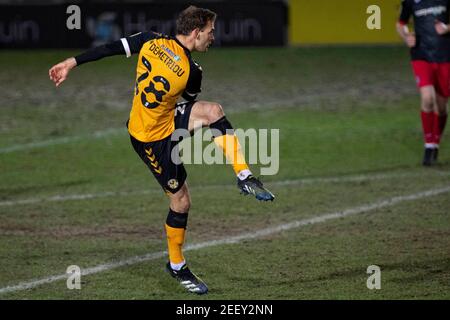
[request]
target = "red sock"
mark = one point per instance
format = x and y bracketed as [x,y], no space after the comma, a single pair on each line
[436,130]
[427,126]
[442,122]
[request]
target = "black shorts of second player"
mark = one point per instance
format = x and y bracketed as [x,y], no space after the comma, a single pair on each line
[157,155]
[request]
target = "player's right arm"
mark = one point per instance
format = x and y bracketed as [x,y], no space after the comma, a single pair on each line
[129,45]
[402,25]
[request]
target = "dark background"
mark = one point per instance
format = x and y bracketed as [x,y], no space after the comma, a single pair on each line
[42,24]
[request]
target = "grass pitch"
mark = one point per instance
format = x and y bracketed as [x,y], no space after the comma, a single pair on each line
[72,190]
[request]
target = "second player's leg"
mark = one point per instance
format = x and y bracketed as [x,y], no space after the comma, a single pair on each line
[442,107]
[440,121]
[442,104]
[428,99]
[428,116]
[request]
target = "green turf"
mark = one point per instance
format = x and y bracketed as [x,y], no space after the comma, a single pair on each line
[341,112]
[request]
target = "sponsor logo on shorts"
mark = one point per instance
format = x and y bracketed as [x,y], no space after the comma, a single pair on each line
[173,184]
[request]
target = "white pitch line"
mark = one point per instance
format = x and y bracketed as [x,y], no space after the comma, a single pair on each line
[235,239]
[61,198]
[62,140]
[362,177]
[339,179]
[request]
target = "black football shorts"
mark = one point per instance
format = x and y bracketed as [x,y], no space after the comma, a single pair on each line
[157,155]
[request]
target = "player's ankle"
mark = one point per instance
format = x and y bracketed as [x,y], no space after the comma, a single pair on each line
[177,266]
[244,174]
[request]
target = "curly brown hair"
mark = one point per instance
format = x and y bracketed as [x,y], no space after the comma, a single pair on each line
[193,17]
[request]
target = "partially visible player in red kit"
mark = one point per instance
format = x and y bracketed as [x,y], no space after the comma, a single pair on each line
[430,54]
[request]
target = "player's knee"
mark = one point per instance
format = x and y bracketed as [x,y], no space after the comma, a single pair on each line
[442,104]
[215,112]
[182,203]
[442,110]
[186,203]
[428,103]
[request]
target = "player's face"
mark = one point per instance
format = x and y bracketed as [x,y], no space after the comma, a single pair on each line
[205,37]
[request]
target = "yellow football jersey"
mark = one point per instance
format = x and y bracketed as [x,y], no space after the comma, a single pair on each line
[165,71]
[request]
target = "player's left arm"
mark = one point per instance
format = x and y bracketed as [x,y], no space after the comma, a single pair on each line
[402,24]
[193,87]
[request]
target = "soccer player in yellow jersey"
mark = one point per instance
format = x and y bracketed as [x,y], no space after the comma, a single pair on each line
[165,72]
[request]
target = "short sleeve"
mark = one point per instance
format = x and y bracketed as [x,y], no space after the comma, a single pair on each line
[194,84]
[406,12]
[134,43]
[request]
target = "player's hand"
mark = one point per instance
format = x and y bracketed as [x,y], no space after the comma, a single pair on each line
[58,73]
[410,40]
[440,27]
